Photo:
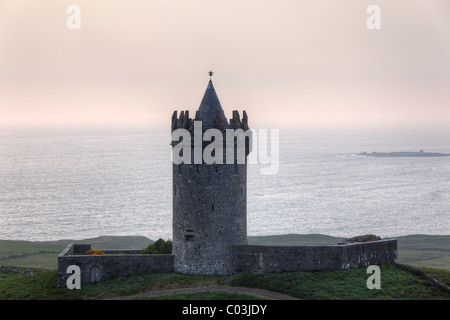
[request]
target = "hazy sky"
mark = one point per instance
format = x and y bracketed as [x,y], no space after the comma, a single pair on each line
[286,62]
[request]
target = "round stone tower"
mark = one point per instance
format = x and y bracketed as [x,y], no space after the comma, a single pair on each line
[209,199]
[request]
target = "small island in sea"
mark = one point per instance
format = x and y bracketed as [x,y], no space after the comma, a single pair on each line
[421,153]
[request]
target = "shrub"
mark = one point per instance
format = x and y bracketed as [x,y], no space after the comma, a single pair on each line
[160,246]
[94,252]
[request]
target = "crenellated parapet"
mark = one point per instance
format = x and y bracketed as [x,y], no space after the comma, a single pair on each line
[211,114]
[182,122]
[237,123]
[218,122]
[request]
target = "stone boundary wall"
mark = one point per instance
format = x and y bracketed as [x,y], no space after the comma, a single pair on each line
[258,258]
[114,263]
[245,258]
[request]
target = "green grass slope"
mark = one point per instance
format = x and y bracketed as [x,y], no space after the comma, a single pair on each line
[425,251]
[396,284]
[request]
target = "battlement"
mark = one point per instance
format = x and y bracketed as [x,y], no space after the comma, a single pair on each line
[237,123]
[217,122]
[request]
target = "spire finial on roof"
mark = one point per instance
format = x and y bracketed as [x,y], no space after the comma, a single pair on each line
[210,74]
[210,105]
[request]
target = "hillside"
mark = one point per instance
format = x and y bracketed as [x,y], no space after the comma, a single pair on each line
[396,284]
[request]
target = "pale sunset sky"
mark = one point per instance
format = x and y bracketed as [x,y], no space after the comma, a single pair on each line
[287,63]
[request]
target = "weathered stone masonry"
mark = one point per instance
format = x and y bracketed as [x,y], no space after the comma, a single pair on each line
[94,268]
[209,200]
[245,258]
[255,258]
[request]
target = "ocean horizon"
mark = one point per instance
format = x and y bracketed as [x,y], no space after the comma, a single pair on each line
[76,183]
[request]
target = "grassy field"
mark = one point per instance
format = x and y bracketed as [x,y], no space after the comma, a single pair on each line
[425,251]
[396,284]
[42,286]
[430,253]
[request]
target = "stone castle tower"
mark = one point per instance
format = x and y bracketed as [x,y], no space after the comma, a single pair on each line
[209,200]
[210,216]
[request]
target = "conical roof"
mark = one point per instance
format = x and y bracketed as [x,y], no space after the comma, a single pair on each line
[210,110]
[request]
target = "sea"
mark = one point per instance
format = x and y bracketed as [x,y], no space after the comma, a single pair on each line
[83,182]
